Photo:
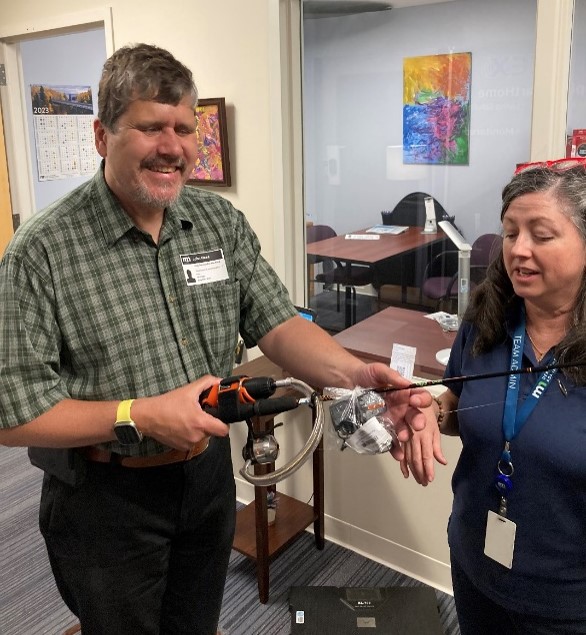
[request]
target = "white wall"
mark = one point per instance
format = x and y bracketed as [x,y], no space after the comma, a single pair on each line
[353,99]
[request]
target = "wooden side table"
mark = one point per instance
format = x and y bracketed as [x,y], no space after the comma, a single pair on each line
[254,537]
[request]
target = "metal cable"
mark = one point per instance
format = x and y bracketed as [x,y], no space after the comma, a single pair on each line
[263,480]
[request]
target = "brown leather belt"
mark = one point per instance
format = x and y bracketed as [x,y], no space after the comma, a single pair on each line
[164,458]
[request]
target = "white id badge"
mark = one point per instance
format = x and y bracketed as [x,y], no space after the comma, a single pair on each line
[499,543]
[204,267]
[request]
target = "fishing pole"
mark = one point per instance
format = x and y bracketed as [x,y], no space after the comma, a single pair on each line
[503,373]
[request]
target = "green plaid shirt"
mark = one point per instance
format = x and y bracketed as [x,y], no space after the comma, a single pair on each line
[91,308]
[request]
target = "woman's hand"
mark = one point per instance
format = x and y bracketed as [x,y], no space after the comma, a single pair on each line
[422,450]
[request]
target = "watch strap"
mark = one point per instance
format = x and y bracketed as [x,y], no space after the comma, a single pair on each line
[123,411]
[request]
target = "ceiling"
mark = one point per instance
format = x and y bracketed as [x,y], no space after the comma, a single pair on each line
[338,8]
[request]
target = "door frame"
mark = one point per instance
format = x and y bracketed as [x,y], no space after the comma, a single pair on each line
[6,223]
[12,95]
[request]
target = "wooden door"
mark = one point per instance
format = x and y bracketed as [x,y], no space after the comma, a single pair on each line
[6,230]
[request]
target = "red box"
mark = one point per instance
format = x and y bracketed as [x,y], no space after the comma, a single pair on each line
[578,142]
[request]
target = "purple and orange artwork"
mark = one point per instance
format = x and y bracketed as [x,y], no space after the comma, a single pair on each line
[208,164]
[436,109]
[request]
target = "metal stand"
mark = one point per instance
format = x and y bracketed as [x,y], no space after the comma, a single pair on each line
[463,282]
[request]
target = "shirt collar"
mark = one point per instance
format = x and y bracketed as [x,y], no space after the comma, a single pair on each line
[114,221]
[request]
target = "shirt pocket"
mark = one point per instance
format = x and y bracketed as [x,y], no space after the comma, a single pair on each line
[215,313]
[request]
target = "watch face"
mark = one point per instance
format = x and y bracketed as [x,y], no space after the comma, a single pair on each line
[127,433]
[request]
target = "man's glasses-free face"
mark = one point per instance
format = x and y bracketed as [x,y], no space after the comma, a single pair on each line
[558,165]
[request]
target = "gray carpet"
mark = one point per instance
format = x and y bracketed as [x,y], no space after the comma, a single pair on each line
[30,604]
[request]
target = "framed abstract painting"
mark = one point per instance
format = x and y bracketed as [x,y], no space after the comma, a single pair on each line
[436,109]
[212,164]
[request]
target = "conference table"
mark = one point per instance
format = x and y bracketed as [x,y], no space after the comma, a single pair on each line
[372,339]
[349,251]
[370,252]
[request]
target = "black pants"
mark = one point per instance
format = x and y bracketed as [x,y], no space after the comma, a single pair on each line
[143,551]
[479,615]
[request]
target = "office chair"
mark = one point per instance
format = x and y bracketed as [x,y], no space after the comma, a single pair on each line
[313,233]
[407,270]
[410,210]
[336,272]
[441,276]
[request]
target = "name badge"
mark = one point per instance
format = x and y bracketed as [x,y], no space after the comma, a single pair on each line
[205,267]
[500,539]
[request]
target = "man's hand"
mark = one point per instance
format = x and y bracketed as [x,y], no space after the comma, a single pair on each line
[404,406]
[176,418]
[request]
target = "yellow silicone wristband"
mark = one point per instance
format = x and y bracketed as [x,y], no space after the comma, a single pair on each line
[123,412]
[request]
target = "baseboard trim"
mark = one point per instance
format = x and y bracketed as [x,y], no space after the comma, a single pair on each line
[390,554]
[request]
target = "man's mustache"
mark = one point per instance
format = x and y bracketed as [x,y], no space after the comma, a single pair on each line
[162,162]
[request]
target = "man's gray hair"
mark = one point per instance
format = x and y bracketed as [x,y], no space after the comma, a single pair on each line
[141,71]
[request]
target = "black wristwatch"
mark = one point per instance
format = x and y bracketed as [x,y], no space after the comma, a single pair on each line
[125,429]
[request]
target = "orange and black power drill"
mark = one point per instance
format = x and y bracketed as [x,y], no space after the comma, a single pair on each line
[239,398]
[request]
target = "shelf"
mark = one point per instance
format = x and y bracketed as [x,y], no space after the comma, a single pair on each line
[254,537]
[291,520]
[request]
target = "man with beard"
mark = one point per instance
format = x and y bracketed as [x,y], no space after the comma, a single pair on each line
[119,305]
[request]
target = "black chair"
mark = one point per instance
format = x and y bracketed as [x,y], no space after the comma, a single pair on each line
[410,210]
[441,276]
[408,270]
[335,272]
[313,233]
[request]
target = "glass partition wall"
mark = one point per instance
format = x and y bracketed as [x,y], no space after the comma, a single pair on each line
[402,105]
[576,120]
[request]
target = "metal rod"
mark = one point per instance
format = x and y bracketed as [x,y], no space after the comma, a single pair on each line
[503,373]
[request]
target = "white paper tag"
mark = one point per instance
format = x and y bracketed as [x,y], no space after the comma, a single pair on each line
[205,267]
[371,438]
[403,360]
[499,543]
[362,237]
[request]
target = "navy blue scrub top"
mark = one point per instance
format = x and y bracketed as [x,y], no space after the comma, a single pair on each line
[548,499]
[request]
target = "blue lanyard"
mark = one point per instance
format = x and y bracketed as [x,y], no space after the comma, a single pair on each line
[514,420]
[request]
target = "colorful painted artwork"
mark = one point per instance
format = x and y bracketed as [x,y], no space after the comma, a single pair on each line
[436,109]
[211,164]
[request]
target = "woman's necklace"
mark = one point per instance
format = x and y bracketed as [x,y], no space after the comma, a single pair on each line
[539,354]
